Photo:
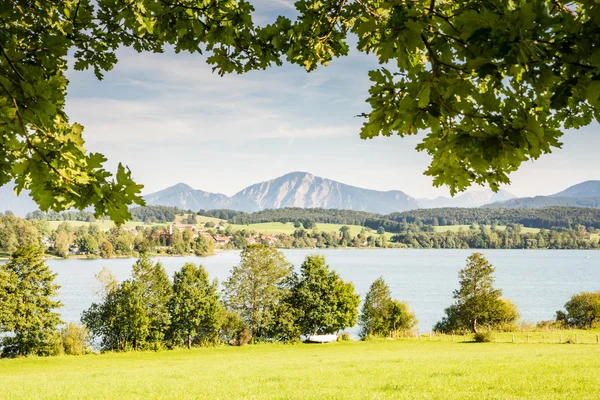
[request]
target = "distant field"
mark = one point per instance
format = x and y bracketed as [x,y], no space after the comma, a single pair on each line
[271,228]
[456,228]
[383,369]
[200,219]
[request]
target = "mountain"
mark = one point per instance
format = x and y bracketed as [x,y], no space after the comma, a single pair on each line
[301,189]
[548,201]
[581,190]
[19,205]
[585,194]
[187,198]
[296,189]
[468,200]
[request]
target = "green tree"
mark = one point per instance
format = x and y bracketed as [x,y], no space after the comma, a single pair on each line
[256,286]
[133,314]
[106,249]
[191,219]
[324,302]
[61,244]
[87,244]
[16,232]
[203,246]
[27,305]
[478,303]
[75,339]
[195,308]
[375,310]
[156,292]
[494,84]
[583,310]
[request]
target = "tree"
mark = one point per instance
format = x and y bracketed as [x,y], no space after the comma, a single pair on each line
[582,310]
[16,232]
[323,301]
[195,309]
[191,219]
[75,339]
[133,314]
[156,292]
[27,305]
[106,249]
[203,246]
[256,286]
[494,84]
[61,244]
[87,244]
[478,303]
[381,315]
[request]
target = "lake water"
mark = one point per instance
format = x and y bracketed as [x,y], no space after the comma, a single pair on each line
[539,282]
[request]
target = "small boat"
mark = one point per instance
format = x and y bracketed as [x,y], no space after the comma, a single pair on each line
[322,338]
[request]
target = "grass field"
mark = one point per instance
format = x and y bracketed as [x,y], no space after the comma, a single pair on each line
[271,228]
[456,228]
[399,369]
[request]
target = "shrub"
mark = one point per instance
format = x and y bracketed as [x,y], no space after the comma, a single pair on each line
[344,337]
[582,310]
[483,336]
[234,330]
[75,339]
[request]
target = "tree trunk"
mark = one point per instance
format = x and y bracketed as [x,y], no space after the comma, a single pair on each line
[189,341]
[475,325]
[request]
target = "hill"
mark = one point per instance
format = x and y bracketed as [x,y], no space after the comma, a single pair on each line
[581,190]
[584,194]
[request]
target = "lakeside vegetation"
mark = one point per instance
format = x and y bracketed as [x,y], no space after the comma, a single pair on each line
[79,234]
[388,369]
[262,300]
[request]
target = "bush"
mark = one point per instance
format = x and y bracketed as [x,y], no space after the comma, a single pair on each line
[582,310]
[234,330]
[75,339]
[344,337]
[483,336]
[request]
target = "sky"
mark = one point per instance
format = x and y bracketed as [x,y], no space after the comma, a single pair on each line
[170,119]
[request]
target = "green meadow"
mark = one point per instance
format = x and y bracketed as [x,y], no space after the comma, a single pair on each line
[381,369]
[272,228]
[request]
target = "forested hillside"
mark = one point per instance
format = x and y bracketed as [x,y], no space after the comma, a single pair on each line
[545,218]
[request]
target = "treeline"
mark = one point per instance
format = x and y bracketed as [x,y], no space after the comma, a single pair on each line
[544,218]
[483,237]
[263,300]
[148,214]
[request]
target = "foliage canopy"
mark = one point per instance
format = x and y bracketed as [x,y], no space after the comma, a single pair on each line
[492,83]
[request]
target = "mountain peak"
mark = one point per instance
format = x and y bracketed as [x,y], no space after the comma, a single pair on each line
[583,189]
[181,186]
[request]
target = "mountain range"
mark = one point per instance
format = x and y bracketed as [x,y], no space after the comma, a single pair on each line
[301,189]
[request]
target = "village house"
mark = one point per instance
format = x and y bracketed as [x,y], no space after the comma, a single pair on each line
[222,240]
[182,227]
[268,239]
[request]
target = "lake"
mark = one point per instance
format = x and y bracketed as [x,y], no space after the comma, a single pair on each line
[539,282]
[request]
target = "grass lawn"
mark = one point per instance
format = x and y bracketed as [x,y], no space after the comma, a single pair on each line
[400,369]
[456,228]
